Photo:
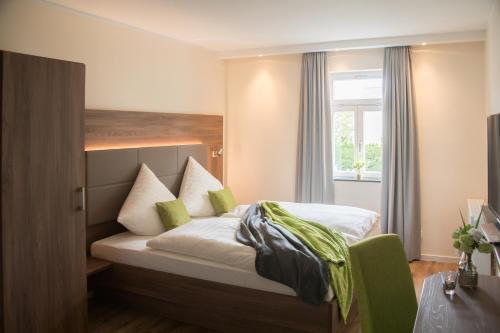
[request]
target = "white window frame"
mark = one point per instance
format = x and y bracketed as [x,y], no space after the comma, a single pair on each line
[359,107]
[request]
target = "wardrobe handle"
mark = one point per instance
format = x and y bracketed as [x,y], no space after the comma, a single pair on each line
[82,199]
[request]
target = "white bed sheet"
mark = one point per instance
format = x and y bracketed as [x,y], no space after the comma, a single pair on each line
[127,248]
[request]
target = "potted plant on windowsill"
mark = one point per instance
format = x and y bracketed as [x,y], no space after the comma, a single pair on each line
[358,165]
[466,239]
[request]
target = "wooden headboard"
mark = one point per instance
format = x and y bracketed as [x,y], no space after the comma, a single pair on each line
[125,129]
[117,142]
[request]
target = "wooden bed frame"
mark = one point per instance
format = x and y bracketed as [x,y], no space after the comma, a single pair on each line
[228,308]
[215,305]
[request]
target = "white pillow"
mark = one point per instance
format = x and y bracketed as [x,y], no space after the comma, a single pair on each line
[194,189]
[138,214]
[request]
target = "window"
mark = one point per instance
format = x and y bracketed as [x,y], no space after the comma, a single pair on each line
[357,123]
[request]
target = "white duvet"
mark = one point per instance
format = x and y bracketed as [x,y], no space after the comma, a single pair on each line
[354,223]
[210,238]
[213,238]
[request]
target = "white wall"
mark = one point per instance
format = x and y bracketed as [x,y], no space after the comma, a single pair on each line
[126,69]
[358,194]
[355,60]
[451,118]
[262,118]
[493,60]
[262,124]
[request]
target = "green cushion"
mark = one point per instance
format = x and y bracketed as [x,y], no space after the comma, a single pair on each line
[383,285]
[223,200]
[173,213]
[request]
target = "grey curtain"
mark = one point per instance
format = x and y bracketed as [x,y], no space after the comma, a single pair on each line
[314,159]
[400,213]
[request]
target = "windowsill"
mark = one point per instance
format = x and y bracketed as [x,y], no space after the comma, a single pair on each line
[353,179]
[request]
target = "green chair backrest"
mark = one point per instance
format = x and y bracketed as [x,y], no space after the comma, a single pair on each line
[383,285]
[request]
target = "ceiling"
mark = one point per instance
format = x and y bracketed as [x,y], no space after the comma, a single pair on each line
[230,26]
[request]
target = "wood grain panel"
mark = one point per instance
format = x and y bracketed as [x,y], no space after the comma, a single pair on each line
[469,310]
[43,233]
[95,265]
[126,129]
[215,305]
[2,320]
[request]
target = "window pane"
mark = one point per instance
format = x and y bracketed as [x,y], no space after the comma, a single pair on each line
[370,88]
[372,135]
[343,129]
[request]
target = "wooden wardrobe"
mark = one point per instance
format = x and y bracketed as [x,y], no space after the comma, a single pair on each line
[42,234]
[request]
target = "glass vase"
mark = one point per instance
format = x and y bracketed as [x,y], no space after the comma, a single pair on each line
[468,273]
[462,261]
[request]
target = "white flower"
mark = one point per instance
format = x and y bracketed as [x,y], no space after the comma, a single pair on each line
[476,234]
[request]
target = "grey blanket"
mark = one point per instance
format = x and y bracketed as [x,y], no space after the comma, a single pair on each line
[282,257]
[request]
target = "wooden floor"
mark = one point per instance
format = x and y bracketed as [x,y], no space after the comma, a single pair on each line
[422,269]
[118,318]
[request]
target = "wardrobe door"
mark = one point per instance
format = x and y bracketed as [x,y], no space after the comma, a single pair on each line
[43,231]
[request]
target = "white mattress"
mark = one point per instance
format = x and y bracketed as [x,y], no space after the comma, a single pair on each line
[127,248]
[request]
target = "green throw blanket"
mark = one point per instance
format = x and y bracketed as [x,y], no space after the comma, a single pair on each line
[327,244]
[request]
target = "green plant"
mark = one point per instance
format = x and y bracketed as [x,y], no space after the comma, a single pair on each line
[373,157]
[344,153]
[468,238]
[358,165]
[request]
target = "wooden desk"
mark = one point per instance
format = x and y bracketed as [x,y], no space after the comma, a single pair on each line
[476,310]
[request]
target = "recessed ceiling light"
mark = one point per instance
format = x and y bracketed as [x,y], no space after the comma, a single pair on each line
[423,43]
[260,55]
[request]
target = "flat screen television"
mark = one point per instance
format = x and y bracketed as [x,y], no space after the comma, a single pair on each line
[494,164]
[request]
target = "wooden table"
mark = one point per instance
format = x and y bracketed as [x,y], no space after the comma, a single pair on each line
[469,310]
[95,265]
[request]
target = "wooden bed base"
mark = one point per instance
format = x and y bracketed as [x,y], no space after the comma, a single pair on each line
[215,305]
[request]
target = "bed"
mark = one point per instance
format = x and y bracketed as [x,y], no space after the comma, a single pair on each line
[185,287]
[129,249]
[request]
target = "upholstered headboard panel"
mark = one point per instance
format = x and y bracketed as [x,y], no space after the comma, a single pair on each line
[111,174]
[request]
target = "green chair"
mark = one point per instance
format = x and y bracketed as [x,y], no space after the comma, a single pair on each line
[383,285]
